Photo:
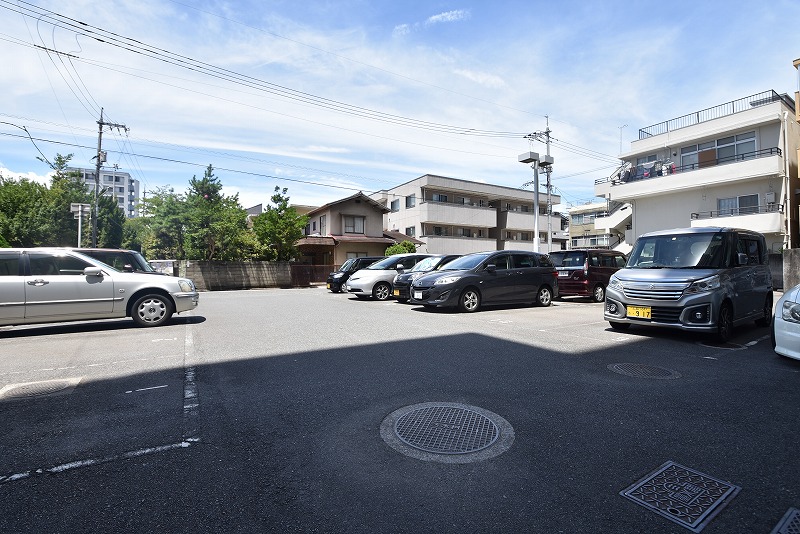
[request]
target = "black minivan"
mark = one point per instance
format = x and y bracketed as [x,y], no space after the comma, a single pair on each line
[336,279]
[496,277]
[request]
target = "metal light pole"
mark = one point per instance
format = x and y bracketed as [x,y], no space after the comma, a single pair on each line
[78,211]
[533,159]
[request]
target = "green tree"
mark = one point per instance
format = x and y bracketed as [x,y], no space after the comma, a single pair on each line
[165,219]
[279,228]
[24,218]
[217,224]
[110,221]
[66,187]
[401,248]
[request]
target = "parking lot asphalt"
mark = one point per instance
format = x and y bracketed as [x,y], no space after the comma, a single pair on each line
[266,411]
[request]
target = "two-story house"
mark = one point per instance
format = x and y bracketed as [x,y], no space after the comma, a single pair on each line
[348,228]
[453,216]
[734,164]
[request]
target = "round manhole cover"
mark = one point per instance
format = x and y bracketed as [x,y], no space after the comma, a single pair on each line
[638,370]
[447,432]
[36,389]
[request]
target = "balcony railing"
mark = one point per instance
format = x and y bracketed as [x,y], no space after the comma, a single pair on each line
[733,212]
[655,169]
[722,110]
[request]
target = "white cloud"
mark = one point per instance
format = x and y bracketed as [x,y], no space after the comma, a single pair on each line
[448,16]
[28,175]
[400,30]
[482,78]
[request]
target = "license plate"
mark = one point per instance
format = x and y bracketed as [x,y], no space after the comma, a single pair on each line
[641,312]
[328,286]
[418,295]
[563,274]
[396,292]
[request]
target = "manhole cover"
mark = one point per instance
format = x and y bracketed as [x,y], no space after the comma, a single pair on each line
[638,370]
[38,389]
[685,496]
[790,524]
[447,432]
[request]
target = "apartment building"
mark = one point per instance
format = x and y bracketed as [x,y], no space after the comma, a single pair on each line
[453,216]
[584,232]
[734,164]
[114,183]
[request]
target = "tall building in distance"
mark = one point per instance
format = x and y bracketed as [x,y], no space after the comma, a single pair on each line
[114,183]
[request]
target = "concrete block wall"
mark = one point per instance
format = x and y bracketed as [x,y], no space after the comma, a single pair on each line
[791,268]
[228,275]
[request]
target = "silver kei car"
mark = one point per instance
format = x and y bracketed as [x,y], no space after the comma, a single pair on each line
[48,285]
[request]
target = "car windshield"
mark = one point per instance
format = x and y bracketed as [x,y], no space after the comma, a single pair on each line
[426,264]
[143,264]
[469,261]
[386,263]
[346,265]
[679,251]
[568,259]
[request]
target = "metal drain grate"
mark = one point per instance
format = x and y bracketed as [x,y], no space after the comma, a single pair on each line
[682,495]
[638,370]
[38,389]
[446,430]
[790,524]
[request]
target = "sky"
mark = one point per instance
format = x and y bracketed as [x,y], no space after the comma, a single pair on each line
[328,98]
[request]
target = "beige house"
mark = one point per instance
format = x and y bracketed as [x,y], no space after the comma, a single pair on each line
[347,228]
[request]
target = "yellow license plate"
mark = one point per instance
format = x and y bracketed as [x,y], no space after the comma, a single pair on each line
[640,312]
[396,293]
[328,286]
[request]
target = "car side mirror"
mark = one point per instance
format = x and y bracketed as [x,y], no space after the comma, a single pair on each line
[128,268]
[400,267]
[93,271]
[741,258]
[491,268]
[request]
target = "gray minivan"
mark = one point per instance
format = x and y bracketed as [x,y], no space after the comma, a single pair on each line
[695,279]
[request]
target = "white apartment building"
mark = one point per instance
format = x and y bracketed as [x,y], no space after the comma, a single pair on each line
[452,216]
[117,184]
[734,164]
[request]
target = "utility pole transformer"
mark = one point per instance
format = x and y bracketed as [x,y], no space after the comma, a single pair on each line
[101,158]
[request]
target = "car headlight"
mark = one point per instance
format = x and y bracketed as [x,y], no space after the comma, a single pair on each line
[703,286]
[186,285]
[614,283]
[791,311]
[446,280]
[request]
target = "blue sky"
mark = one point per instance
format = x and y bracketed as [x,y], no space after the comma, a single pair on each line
[327,98]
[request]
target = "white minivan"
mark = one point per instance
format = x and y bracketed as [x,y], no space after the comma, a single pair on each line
[696,279]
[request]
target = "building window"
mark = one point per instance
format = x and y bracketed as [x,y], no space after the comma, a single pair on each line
[411,201]
[465,232]
[323,224]
[742,205]
[526,236]
[396,205]
[437,230]
[353,225]
[437,197]
[480,233]
[410,231]
[314,226]
[351,255]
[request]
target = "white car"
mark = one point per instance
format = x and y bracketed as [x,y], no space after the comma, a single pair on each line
[376,280]
[786,324]
[49,285]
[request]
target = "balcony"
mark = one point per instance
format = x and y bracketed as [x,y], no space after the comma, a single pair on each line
[767,219]
[664,177]
[716,112]
[450,213]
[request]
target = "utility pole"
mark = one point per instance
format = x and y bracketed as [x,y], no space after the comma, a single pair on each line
[549,169]
[101,158]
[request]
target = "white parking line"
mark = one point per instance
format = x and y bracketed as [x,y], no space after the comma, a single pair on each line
[146,389]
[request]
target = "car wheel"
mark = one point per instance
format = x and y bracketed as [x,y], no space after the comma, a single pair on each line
[470,300]
[767,319]
[619,326]
[725,323]
[544,297]
[599,293]
[151,310]
[381,291]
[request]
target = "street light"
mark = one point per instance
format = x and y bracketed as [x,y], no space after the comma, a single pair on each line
[536,162]
[78,211]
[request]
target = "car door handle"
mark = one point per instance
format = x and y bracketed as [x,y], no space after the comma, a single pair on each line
[38,282]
